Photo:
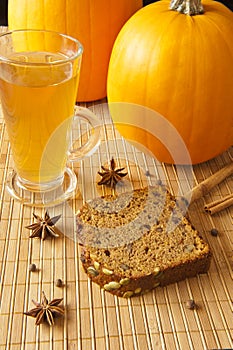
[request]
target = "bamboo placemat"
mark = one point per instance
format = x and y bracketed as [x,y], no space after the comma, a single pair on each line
[94,319]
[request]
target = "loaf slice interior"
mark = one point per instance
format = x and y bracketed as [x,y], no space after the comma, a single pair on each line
[138,241]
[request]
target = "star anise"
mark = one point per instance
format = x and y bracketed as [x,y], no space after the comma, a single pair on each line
[44,226]
[110,177]
[46,311]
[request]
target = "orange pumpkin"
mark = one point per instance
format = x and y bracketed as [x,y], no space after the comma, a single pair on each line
[94,23]
[180,66]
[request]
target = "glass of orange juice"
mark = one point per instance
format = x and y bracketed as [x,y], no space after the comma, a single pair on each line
[39,76]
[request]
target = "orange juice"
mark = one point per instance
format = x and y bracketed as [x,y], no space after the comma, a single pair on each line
[38,105]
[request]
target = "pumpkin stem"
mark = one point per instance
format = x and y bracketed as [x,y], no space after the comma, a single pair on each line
[187,7]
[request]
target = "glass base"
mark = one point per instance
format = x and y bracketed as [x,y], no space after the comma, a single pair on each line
[43,197]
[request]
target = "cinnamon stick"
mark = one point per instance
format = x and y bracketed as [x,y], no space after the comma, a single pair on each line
[205,186]
[220,204]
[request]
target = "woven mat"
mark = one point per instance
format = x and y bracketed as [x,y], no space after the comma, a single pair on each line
[94,319]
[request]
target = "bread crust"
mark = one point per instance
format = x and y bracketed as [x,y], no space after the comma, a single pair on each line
[156,255]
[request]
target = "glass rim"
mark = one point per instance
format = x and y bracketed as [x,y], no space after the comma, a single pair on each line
[77,54]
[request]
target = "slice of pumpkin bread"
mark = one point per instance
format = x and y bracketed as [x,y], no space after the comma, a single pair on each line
[139,241]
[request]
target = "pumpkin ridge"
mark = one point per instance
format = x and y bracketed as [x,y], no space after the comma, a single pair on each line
[66,17]
[212,21]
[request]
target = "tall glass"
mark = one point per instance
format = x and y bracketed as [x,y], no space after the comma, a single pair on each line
[39,76]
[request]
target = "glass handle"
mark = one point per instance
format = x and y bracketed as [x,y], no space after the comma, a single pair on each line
[77,152]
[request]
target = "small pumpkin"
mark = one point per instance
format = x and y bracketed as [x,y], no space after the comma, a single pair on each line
[94,23]
[175,58]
